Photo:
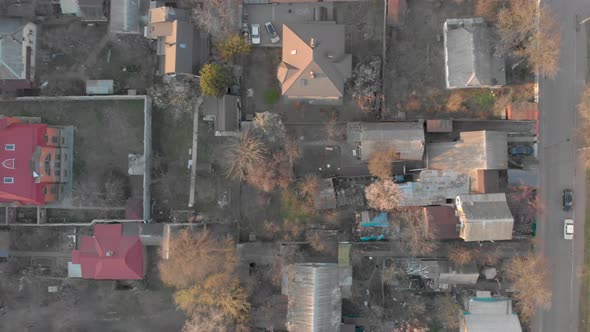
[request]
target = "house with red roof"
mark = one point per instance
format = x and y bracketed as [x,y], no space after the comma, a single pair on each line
[35,162]
[108,255]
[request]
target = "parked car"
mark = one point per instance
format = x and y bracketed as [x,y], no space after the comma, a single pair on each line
[526,150]
[274,36]
[246,33]
[568,199]
[568,229]
[255,34]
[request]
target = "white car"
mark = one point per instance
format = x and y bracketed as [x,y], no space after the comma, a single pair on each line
[255,34]
[568,229]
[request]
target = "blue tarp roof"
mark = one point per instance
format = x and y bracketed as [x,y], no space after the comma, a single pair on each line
[379,221]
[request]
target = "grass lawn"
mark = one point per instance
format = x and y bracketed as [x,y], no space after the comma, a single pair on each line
[585,302]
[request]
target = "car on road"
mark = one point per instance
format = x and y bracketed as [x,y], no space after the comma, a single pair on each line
[568,199]
[274,36]
[568,229]
[525,150]
[255,34]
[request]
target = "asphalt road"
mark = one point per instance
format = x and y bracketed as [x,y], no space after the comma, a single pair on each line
[558,98]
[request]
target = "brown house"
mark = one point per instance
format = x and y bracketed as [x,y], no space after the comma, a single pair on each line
[442,222]
[314,66]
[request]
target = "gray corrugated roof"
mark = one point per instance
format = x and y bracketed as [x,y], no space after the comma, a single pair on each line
[315,300]
[406,138]
[125,16]
[470,56]
[485,217]
[434,187]
[491,314]
[331,67]
[12,65]
[474,150]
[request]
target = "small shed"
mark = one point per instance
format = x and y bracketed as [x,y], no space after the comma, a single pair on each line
[99,87]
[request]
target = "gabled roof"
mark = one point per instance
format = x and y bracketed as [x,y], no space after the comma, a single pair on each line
[110,255]
[315,299]
[18,164]
[490,314]
[485,217]
[470,56]
[474,150]
[317,71]
[12,59]
[406,138]
[434,187]
[175,38]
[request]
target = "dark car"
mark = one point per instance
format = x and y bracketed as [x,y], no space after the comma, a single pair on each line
[274,36]
[568,199]
[521,150]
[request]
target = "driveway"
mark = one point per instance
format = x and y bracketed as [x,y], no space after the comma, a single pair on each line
[282,13]
[557,154]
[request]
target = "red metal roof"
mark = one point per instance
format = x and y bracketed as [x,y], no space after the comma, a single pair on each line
[442,222]
[110,255]
[17,164]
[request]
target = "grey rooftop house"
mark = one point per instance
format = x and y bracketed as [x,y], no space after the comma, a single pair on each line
[473,150]
[434,187]
[470,59]
[484,217]
[405,138]
[486,313]
[315,299]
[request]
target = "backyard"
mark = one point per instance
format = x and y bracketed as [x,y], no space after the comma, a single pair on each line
[105,133]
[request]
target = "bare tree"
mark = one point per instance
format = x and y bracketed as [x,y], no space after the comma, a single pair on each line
[244,154]
[215,16]
[461,255]
[380,163]
[449,313]
[456,102]
[415,237]
[487,9]
[177,97]
[309,187]
[530,280]
[221,291]
[206,319]
[521,33]
[194,256]
[584,117]
[270,126]
[383,195]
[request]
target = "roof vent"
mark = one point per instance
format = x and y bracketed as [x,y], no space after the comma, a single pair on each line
[293,52]
[312,74]
[312,42]
[109,253]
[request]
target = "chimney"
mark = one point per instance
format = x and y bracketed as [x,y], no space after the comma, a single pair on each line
[311,74]
[312,42]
